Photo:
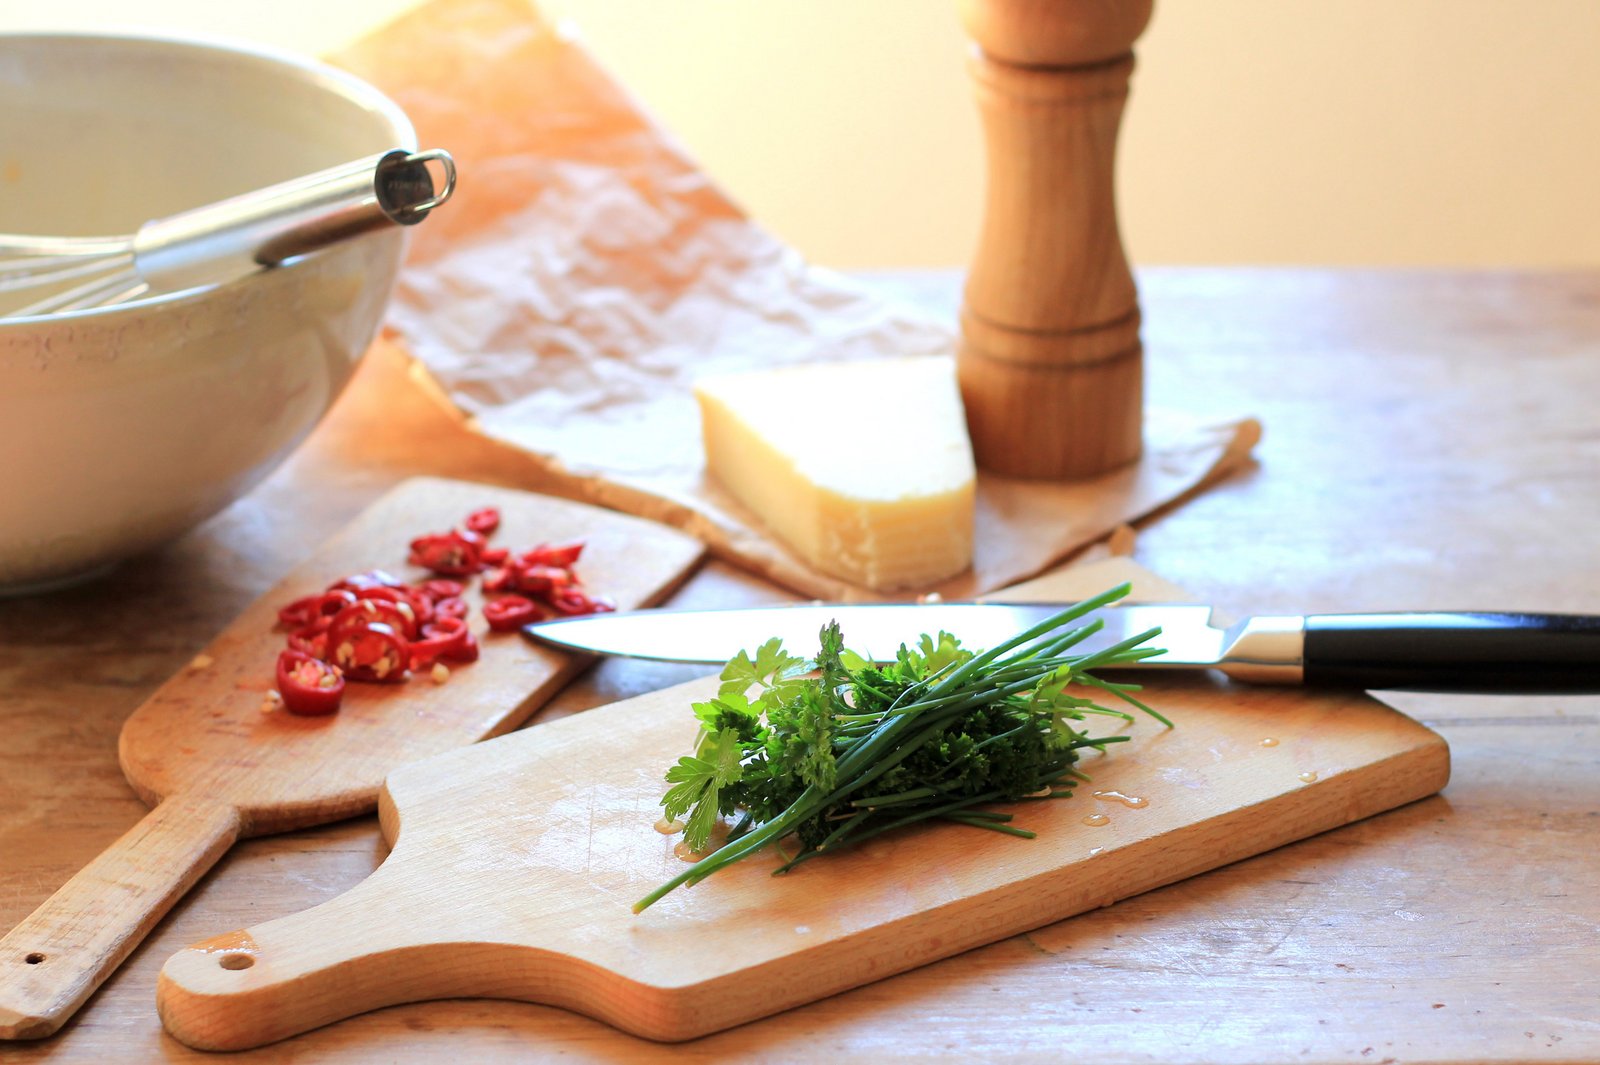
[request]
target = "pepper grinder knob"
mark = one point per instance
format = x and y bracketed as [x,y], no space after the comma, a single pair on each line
[1050,363]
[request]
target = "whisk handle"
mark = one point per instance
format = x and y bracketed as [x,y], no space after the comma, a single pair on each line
[235,237]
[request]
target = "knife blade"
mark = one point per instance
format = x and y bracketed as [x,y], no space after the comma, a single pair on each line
[1483,652]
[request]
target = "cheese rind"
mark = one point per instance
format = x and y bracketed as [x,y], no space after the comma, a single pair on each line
[863,468]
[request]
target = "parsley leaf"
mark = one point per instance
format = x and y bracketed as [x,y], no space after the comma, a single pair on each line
[772,667]
[697,781]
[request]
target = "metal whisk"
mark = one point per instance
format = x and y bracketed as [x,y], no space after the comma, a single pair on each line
[228,239]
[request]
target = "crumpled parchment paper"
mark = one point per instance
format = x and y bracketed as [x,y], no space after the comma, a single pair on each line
[587,271]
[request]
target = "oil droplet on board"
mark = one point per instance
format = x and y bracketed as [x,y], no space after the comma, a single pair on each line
[1269,742]
[1095,850]
[669,828]
[239,942]
[1308,777]
[1132,802]
[1096,820]
[718,836]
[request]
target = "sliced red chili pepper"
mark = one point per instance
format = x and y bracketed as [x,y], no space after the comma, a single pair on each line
[417,607]
[374,626]
[308,685]
[453,554]
[440,639]
[372,578]
[300,612]
[333,601]
[311,640]
[542,581]
[449,608]
[483,521]
[467,651]
[563,555]
[421,608]
[440,588]
[510,612]
[373,652]
[577,601]
[308,609]
[380,592]
[397,616]
[404,597]
[570,601]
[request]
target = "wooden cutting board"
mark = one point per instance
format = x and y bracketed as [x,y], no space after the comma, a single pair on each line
[216,768]
[516,862]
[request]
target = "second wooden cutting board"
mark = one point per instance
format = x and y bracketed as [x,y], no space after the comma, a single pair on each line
[215,768]
[516,862]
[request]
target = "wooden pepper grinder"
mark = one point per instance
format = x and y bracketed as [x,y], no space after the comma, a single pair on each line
[1050,360]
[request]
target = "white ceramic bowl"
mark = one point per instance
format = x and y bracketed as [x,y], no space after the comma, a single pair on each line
[122,427]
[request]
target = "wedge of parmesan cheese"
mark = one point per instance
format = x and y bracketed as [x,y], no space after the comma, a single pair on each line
[862,468]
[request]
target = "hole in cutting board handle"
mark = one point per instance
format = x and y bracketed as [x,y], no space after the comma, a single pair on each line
[236,961]
[34,959]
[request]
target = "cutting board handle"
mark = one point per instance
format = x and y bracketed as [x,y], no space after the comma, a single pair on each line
[56,958]
[386,941]
[410,932]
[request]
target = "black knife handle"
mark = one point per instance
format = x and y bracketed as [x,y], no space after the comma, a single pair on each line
[1459,652]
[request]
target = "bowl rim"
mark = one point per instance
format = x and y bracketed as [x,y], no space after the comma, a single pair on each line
[339,82]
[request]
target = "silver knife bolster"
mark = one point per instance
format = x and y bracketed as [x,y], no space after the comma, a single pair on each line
[1269,649]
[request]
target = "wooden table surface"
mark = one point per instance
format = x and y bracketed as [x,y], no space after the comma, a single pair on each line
[1432,441]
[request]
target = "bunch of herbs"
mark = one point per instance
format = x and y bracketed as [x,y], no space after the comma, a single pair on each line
[835,750]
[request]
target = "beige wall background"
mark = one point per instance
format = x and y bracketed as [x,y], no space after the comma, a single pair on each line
[1387,132]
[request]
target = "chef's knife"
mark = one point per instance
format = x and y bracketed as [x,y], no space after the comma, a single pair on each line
[1441,652]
